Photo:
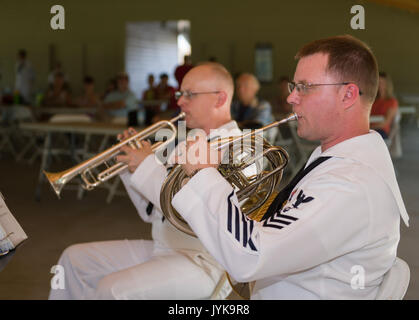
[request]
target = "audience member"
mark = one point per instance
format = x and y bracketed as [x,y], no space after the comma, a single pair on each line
[58,68]
[150,94]
[385,105]
[90,99]
[110,87]
[183,69]
[58,93]
[163,89]
[166,92]
[25,78]
[120,102]
[248,109]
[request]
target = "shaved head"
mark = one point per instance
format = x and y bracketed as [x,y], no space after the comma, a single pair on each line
[250,80]
[212,87]
[220,76]
[247,86]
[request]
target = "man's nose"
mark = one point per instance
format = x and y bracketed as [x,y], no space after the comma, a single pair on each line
[293,98]
[181,101]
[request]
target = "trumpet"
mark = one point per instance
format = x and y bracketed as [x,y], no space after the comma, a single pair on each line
[84,169]
[255,192]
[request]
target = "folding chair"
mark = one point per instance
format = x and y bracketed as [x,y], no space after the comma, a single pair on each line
[5,142]
[395,282]
[393,141]
[12,117]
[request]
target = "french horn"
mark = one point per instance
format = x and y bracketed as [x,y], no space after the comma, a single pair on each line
[254,175]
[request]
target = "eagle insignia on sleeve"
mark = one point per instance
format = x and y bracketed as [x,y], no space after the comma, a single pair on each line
[280,220]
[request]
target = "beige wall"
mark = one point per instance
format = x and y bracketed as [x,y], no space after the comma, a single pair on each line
[227,29]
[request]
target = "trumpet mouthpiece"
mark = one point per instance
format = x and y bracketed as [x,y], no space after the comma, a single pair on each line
[293,116]
[180,116]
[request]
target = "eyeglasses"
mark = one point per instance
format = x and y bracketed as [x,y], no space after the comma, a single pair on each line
[189,94]
[303,88]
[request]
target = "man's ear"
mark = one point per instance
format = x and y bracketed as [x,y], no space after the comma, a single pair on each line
[222,98]
[351,94]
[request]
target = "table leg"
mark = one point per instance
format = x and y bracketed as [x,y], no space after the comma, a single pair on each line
[80,191]
[46,156]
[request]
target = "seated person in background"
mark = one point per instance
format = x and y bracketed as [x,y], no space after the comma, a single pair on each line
[58,93]
[183,69]
[248,110]
[58,68]
[150,94]
[385,105]
[110,87]
[25,78]
[120,102]
[282,107]
[90,99]
[166,92]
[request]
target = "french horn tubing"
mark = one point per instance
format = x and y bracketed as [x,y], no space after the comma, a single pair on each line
[253,191]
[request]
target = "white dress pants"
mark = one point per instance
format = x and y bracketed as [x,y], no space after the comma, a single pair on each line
[128,269]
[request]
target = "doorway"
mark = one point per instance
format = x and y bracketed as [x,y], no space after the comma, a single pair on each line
[155,47]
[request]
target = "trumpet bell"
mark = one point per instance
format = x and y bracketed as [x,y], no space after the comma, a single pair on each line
[56,181]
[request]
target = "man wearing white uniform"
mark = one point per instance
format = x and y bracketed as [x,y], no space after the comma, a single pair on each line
[25,78]
[174,265]
[333,232]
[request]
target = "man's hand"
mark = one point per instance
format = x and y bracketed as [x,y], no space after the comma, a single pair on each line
[133,157]
[196,155]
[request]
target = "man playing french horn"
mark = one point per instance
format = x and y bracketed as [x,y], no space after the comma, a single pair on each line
[173,265]
[333,232]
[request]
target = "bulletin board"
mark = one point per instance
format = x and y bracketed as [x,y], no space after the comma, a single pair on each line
[264,62]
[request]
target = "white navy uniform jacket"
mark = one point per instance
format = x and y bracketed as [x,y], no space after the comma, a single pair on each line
[335,237]
[143,187]
[25,80]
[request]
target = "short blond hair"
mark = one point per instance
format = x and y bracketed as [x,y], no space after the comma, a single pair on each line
[350,59]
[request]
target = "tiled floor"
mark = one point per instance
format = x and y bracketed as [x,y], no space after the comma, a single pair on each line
[53,224]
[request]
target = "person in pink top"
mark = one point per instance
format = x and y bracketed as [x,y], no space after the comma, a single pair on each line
[385,105]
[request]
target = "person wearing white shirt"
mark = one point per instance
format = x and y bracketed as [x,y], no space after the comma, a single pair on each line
[120,102]
[25,78]
[333,232]
[173,265]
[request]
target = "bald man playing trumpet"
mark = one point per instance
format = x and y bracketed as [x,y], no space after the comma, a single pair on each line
[173,265]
